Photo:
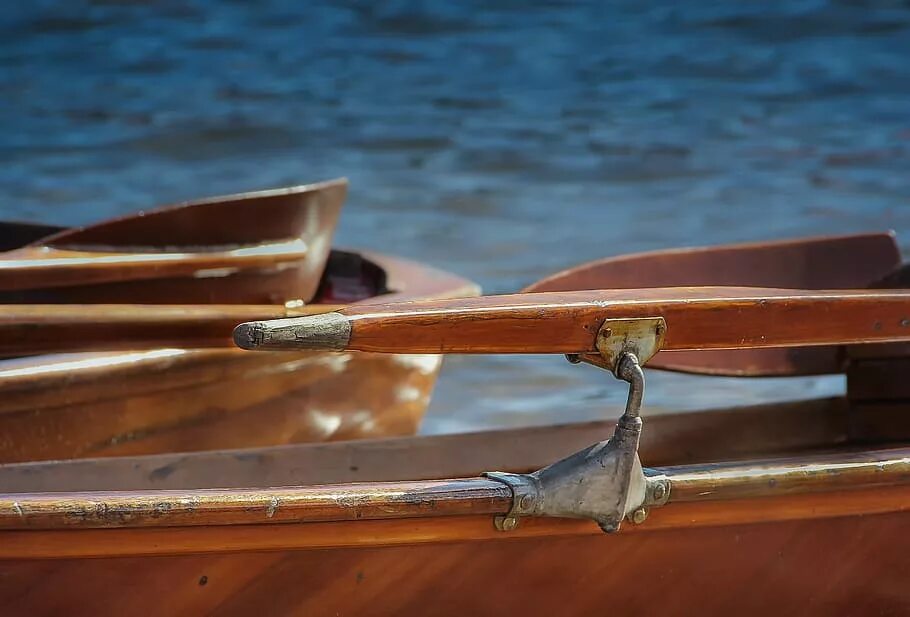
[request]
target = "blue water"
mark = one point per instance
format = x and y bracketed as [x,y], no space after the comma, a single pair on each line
[502,143]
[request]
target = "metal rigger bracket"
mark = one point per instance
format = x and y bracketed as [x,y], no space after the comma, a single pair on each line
[604,482]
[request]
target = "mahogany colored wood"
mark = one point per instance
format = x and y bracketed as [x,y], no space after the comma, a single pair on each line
[177,400]
[758,555]
[327,502]
[840,262]
[547,566]
[39,267]
[44,328]
[699,538]
[821,473]
[677,438]
[803,475]
[267,247]
[431,499]
[696,318]
[743,570]
[93,542]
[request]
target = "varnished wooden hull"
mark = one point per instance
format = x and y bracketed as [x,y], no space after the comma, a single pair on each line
[270,248]
[838,566]
[147,258]
[837,552]
[173,400]
[211,400]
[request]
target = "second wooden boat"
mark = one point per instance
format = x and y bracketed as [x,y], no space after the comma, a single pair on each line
[262,249]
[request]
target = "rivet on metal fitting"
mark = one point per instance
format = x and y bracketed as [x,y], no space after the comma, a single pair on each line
[505,523]
[639,515]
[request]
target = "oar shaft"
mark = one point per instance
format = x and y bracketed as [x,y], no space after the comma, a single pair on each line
[568,322]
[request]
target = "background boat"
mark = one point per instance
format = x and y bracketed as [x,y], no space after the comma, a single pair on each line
[270,248]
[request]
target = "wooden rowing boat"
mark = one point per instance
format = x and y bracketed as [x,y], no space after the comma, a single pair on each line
[210,262]
[795,508]
[267,247]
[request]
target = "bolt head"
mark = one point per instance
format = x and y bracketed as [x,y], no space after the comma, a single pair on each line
[659,491]
[525,502]
[509,523]
[639,516]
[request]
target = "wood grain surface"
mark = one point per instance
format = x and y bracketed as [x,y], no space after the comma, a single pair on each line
[178,399]
[760,569]
[696,318]
[826,262]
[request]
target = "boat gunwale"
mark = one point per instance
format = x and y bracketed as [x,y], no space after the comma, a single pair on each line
[719,482]
[53,240]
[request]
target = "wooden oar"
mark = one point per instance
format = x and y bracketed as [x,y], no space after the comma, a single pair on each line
[568,322]
[28,329]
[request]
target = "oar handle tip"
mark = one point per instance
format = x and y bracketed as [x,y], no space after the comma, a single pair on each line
[250,335]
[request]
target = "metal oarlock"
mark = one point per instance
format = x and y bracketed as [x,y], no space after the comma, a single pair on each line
[604,482]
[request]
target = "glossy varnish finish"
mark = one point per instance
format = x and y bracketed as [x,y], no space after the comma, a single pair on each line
[781,575]
[255,248]
[41,267]
[568,322]
[153,389]
[210,507]
[772,482]
[838,262]
[176,400]
[753,570]
[48,328]
[677,439]
[446,560]
[745,538]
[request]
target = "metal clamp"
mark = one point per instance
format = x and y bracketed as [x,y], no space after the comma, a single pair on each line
[525,494]
[604,482]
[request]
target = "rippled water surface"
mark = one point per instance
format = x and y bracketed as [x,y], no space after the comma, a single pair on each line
[501,143]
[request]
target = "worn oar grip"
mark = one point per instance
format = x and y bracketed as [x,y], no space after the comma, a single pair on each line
[329,331]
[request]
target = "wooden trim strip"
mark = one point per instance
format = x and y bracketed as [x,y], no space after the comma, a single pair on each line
[338,502]
[729,481]
[428,499]
[44,266]
[76,543]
